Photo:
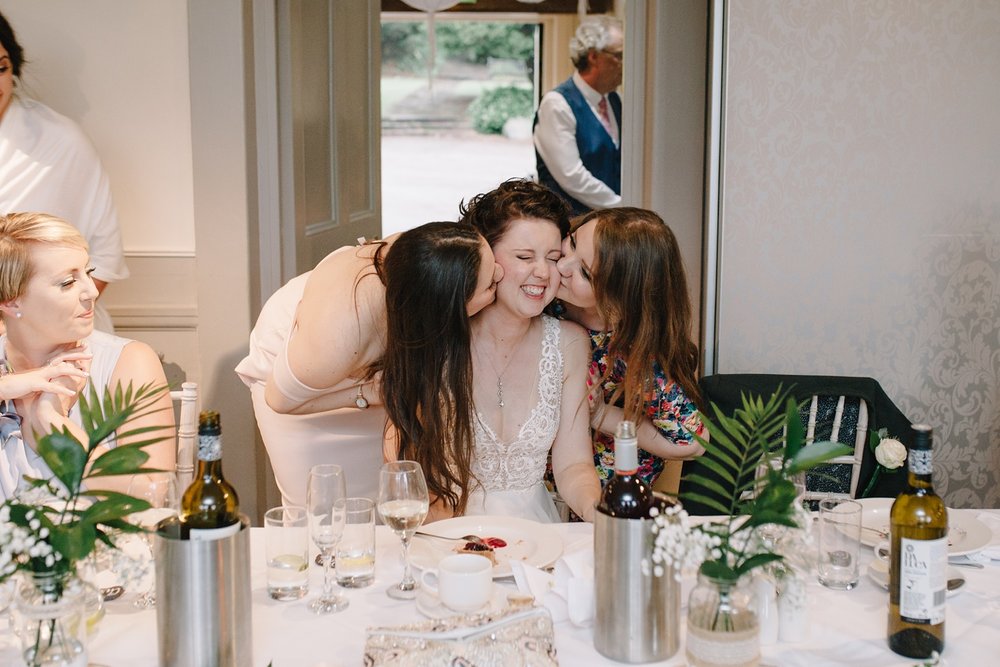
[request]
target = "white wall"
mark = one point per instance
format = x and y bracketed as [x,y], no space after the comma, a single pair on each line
[175,147]
[120,70]
[861,210]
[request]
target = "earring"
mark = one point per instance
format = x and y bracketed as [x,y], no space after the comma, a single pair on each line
[18,314]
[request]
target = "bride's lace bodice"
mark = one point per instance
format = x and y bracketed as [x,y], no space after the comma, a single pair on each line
[520,463]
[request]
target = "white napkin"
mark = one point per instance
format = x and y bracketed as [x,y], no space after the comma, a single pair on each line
[992,550]
[568,593]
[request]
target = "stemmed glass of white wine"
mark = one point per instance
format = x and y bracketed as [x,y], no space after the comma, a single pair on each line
[403,504]
[326,495]
[160,490]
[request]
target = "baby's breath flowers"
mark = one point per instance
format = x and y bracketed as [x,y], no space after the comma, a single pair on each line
[52,524]
[676,544]
[20,545]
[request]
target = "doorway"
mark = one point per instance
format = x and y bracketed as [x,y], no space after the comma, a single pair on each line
[458,122]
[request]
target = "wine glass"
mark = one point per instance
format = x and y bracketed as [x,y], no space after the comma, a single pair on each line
[403,504]
[160,490]
[326,496]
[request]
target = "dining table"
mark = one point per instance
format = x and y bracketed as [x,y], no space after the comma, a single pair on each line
[844,627]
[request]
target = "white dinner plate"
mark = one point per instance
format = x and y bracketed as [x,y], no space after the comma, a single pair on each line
[878,570]
[529,541]
[966,533]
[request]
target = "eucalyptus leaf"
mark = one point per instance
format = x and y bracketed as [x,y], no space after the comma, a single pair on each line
[113,508]
[816,453]
[65,457]
[122,460]
[795,436]
[74,541]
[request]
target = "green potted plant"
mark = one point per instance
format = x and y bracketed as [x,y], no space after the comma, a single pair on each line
[756,458]
[56,523]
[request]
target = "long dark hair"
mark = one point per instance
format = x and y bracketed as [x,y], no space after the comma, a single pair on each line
[10,45]
[642,295]
[430,273]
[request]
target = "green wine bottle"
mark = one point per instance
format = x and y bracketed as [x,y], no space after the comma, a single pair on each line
[210,508]
[919,558]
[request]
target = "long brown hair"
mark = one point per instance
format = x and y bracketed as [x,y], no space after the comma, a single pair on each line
[642,295]
[430,273]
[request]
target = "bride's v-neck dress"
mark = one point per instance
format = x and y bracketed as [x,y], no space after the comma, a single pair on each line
[510,473]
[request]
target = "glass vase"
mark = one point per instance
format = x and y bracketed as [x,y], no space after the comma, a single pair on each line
[722,625]
[50,617]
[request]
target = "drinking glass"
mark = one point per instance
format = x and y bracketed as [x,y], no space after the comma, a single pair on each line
[403,504]
[286,544]
[839,543]
[160,490]
[326,494]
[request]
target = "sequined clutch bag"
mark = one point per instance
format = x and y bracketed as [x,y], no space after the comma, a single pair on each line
[515,637]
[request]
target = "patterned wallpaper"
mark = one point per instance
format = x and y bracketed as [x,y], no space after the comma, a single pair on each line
[860,214]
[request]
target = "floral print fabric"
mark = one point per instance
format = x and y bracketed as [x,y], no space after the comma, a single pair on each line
[667,406]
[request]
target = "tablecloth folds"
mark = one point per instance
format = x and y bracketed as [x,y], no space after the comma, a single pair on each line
[568,592]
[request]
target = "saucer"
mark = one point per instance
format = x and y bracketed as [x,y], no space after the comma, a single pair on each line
[431,606]
[878,571]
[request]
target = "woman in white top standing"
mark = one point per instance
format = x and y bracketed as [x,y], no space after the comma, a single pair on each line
[47,164]
[50,351]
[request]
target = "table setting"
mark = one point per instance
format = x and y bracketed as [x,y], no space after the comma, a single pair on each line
[797,587]
[845,628]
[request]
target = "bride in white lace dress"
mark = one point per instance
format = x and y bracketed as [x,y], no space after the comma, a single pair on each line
[530,374]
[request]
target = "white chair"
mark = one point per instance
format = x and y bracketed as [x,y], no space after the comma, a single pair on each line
[838,408]
[187,431]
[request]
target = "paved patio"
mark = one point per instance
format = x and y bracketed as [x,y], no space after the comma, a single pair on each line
[424,177]
[431,158]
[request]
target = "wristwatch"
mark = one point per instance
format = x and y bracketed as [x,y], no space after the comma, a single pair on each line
[360,399]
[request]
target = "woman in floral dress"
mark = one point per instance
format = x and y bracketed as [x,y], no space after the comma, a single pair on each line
[623,279]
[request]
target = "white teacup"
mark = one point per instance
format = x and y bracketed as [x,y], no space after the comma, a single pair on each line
[463,582]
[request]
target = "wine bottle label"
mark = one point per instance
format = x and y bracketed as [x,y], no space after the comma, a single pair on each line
[209,447]
[209,534]
[923,578]
[920,461]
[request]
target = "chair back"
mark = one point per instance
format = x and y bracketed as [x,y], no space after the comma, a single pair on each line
[186,400]
[841,409]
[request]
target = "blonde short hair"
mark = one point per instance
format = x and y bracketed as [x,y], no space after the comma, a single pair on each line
[18,231]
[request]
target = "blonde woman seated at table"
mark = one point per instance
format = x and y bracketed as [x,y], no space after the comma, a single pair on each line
[51,352]
[623,279]
[316,350]
[528,377]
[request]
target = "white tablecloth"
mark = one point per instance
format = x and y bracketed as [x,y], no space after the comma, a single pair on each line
[847,628]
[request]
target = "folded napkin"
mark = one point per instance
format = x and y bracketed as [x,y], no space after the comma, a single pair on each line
[568,592]
[992,550]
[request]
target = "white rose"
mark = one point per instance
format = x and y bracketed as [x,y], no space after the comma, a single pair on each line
[890,453]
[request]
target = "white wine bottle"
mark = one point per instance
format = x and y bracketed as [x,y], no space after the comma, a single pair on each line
[210,508]
[626,495]
[919,558]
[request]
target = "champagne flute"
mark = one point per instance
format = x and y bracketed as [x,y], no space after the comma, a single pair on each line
[326,496]
[159,489]
[403,505]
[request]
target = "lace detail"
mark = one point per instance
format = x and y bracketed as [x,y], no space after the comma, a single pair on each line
[520,463]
